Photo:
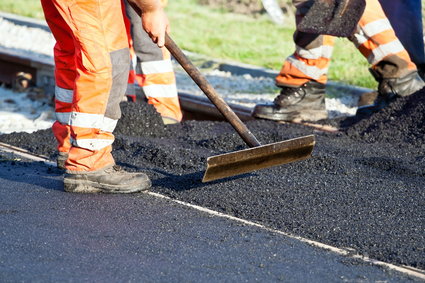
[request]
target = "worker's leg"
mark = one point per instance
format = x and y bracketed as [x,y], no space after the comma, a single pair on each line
[101,58]
[302,77]
[310,61]
[131,90]
[376,40]
[65,73]
[154,72]
[101,63]
[391,65]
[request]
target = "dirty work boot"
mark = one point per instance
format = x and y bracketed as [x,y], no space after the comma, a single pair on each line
[390,89]
[304,103]
[61,159]
[112,179]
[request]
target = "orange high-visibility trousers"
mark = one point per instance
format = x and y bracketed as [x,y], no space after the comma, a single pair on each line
[153,70]
[91,58]
[131,89]
[374,38]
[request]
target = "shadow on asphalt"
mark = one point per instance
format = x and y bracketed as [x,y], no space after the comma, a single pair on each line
[31,174]
[188,181]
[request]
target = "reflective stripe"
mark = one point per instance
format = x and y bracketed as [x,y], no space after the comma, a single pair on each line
[84,120]
[324,51]
[310,71]
[376,27]
[359,38]
[160,90]
[134,61]
[64,95]
[155,67]
[384,50]
[91,144]
[94,121]
[363,34]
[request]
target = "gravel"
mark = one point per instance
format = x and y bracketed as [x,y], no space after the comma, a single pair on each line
[19,112]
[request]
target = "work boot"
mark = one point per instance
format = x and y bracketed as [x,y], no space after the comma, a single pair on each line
[390,89]
[61,159]
[112,179]
[303,103]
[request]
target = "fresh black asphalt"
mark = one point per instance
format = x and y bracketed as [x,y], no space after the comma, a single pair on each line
[47,235]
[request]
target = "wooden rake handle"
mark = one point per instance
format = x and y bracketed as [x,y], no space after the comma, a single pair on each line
[209,91]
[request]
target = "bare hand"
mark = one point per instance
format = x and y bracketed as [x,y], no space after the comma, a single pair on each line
[156,23]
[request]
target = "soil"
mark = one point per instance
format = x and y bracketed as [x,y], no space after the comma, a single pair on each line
[248,7]
[362,189]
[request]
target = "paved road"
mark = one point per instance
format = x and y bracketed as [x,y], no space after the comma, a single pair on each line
[47,235]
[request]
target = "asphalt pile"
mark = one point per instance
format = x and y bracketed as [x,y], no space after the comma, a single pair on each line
[402,122]
[362,189]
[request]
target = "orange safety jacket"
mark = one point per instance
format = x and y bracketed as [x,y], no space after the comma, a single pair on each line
[91,70]
[374,38]
[151,69]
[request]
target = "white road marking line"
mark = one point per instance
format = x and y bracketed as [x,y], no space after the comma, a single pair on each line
[411,271]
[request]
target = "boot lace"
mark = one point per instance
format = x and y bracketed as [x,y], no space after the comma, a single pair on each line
[117,168]
[114,169]
[290,95]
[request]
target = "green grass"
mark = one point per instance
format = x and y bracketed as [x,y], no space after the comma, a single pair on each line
[27,8]
[227,36]
[255,41]
[245,39]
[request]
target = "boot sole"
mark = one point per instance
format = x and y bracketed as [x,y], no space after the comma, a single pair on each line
[78,186]
[312,116]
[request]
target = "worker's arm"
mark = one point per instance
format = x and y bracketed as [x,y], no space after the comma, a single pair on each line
[154,19]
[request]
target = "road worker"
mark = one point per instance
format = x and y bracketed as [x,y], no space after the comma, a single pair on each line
[153,70]
[91,69]
[303,75]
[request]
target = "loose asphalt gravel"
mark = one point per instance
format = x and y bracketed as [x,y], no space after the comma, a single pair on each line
[362,189]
